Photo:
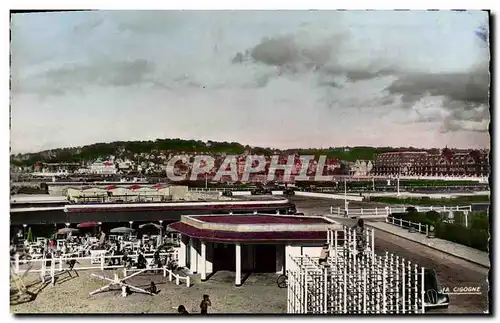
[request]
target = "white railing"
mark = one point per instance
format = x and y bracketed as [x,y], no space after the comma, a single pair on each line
[59,263]
[215,189]
[388,210]
[419,227]
[361,213]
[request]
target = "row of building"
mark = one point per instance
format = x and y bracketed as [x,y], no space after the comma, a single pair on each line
[133,193]
[447,162]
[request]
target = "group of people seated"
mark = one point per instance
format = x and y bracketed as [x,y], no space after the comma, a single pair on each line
[141,263]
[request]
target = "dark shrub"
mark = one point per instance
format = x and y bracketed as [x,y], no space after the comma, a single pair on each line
[411,209]
[433,216]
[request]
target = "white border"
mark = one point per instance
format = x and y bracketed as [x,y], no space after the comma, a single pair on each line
[191,4]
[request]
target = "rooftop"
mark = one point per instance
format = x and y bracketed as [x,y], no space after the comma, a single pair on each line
[255,228]
[37,198]
[261,219]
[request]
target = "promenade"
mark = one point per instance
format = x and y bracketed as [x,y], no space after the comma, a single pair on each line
[460,251]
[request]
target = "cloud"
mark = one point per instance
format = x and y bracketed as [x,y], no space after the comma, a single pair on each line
[463,94]
[77,77]
[272,78]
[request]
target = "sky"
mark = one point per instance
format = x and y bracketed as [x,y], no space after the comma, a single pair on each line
[283,79]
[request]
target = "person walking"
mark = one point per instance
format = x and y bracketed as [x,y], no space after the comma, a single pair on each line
[205,303]
[359,229]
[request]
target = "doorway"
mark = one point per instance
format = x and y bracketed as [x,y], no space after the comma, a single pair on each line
[224,257]
[265,258]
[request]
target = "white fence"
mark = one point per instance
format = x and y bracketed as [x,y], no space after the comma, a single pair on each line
[61,264]
[348,282]
[383,212]
[418,227]
[330,196]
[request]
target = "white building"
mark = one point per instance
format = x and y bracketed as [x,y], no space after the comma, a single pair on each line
[249,243]
[103,168]
[361,168]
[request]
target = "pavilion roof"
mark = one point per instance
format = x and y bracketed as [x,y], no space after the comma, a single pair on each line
[230,236]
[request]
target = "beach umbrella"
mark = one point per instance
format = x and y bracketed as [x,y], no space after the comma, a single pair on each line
[87,225]
[157,226]
[122,230]
[67,231]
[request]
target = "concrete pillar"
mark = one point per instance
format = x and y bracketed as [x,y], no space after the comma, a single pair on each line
[193,254]
[280,259]
[183,252]
[210,257]
[238,265]
[203,267]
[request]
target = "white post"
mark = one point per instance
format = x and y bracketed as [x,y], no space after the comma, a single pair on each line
[188,281]
[398,182]
[16,257]
[182,252]
[335,244]
[203,261]
[193,254]
[384,291]
[365,291]
[158,243]
[403,289]
[400,222]
[53,270]
[102,261]
[422,289]
[373,244]
[325,291]
[419,227]
[466,214]
[345,196]
[238,265]
[331,209]
[42,271]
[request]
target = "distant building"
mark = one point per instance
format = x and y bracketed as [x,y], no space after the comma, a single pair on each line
[103,168]
[448,162]
[361,168]
[56,167]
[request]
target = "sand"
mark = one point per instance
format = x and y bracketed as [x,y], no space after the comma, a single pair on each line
[259,294]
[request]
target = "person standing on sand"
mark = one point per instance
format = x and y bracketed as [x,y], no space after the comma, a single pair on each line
[205,303]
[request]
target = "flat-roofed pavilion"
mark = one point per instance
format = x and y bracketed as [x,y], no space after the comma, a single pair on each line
[248,243]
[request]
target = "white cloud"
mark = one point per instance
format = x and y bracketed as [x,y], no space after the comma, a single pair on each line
[319,79]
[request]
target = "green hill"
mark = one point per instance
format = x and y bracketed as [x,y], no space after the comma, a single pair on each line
[127,149]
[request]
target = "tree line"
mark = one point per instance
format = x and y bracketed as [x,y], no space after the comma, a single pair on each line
[126,149]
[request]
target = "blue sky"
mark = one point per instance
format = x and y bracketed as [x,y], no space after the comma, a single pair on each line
[269,78]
